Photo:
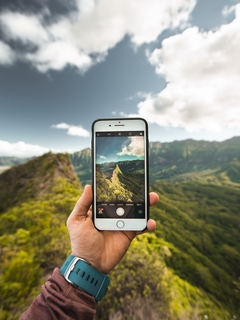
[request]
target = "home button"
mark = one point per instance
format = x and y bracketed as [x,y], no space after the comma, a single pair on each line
[120,224]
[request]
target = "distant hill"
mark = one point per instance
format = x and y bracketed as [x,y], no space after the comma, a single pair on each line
[12,161]
[180,160]
[176,161]
[8,162]
[82,163]
[168,160]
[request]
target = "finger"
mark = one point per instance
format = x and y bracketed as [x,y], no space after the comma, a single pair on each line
[151,225]
[83,204]
[153,198]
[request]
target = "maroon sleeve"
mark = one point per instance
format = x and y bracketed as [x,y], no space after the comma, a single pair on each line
[60,300]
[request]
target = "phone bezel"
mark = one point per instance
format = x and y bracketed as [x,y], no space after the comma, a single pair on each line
[112,125]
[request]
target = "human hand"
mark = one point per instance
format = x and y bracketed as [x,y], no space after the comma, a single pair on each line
[102,249]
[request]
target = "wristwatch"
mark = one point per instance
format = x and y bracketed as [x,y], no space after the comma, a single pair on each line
[81,274]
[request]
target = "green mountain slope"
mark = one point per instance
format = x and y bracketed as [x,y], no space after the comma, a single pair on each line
[34,240]
[123,179]
[187,269]
[111,189]
[36,199]
[143,287]
[82,163]
[176,159]
[32,180]
[181,161]
[202,222]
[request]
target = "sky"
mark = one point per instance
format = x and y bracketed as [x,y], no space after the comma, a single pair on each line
[119,149]
[66,63]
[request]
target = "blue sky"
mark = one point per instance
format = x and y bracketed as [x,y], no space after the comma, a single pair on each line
[65,63]
[119,149]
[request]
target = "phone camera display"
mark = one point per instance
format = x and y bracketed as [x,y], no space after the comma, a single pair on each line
[120,174]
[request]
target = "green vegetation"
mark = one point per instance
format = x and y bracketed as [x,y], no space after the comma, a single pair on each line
[34,240]
[182,160]
[189,268]
[142,287]
[111,189]
[132,178]
[202,221]
[122,180]
[33,235]
[33,180]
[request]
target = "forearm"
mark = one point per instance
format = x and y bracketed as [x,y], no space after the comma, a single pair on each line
[60,300]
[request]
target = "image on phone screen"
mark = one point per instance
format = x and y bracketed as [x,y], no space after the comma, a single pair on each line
[120,174]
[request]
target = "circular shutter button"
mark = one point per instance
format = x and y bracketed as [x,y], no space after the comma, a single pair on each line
[120,211]
[120,224]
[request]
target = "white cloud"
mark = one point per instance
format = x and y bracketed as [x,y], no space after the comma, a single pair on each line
[84,37]
[78,131]
[56,55]
[27,28]
[61,125]
[71,129]
[134,146]
[202,71]
[107,22]
[7,56]
[228,10]
[22,149]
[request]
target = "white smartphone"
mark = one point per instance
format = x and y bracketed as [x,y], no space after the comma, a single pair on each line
[120,174]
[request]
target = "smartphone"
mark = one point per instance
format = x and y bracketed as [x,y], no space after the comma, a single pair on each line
[120,174]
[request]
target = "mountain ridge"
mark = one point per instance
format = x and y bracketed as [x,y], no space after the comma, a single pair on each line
[168,160]
[197,236]
[31,180]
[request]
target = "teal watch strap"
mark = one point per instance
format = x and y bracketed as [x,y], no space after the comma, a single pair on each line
[80,273]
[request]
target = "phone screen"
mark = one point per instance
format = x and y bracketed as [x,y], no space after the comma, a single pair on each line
[120,174]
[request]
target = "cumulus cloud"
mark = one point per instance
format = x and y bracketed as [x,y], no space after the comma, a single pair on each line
[107,22]
[7,56]
[134,146]
[26,28]
[22,149]
[57,55]
[72,130]
[83,37]
[202,72]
